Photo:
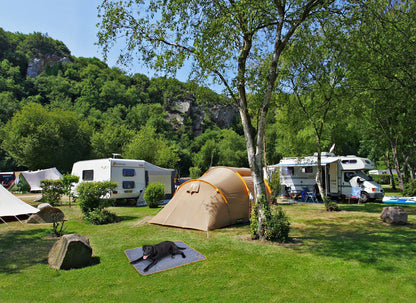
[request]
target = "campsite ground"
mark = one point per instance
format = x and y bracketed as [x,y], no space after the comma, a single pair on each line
[336,257]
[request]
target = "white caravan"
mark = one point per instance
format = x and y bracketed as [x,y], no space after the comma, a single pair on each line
[132,176]
[340,175]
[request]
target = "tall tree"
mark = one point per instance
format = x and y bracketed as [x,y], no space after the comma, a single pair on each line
[382,68]
[37,138]
[239,43]
[314,73]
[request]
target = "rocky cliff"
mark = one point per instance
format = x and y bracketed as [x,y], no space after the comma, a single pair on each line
[221,115]
[38,65]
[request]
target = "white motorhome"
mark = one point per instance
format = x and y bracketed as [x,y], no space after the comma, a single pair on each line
[132,176]
[340,175]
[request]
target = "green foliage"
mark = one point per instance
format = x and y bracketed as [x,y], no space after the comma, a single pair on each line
[410,189]
[58,223]
[100,217]
[195,172]
[149,146]
[330,205]
[52,191]
[275,186]
[92,199]
[275,226]
[68,181]
[154,193]
[38,138]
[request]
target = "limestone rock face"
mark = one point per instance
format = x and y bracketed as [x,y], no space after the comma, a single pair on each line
[70,251]
[394,215]
[46,214]
[38,65]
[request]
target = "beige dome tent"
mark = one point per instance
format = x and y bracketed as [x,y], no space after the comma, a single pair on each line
[221,197]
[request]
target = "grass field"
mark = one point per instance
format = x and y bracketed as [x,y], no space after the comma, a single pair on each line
[346,256]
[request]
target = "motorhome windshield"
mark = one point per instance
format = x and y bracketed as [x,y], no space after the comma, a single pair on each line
[350,174]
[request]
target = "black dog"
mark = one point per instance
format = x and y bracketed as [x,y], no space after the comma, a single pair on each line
[159,251]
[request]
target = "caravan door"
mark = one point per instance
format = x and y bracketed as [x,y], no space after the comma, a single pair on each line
[333,178]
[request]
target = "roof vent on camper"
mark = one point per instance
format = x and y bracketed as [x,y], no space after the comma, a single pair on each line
[116,155]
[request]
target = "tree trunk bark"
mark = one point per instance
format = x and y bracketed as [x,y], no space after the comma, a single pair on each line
[397,166]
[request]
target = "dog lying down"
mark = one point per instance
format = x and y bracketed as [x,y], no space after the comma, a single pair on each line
[158,251]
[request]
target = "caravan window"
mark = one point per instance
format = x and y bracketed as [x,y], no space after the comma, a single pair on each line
[307,169]
[128,184]
[88,175]
[129,172]
[288,171]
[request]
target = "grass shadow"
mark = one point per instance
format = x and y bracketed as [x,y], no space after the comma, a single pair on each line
[21,249]
[375,207]
[372,243]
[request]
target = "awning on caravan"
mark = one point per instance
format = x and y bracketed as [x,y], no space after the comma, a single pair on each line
[309,163]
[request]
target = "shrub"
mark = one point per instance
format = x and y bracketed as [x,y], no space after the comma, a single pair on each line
[100,216]
[92,195]
[277,227]
[93,198]
[275,186]
[52,191]
[410,189]
[154,192]
[194,172]
[67,182]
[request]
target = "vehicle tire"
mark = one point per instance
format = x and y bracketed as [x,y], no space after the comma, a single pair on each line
[364,197]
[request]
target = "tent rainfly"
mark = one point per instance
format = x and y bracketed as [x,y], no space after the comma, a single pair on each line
[32,179]
[221,197]
[11,206]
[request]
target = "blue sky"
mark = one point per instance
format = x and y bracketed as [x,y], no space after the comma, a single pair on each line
[71,21]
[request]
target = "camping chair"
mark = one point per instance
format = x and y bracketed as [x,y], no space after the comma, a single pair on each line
[312,198]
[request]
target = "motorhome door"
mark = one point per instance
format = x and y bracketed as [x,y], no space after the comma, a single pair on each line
[333,177]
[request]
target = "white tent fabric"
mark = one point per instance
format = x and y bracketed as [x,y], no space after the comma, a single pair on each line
[10,205]
[34,178]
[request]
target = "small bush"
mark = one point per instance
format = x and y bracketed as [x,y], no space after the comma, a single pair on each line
[52,191]
[100,216]
[92,201]
[410,189]
[277,227]
[154,192]
[275,186]
[194,172]
[67,182]
[91,195]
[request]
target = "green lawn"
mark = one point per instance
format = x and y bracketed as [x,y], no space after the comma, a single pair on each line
[346,256]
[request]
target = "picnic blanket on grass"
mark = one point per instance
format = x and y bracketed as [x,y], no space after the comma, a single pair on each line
[166,263]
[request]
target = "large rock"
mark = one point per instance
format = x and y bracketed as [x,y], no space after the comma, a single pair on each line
[394,215]
[46,214]
[70,251]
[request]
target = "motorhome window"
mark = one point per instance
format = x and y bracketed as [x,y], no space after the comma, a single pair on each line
[88,175]
[307,170]
[288,171]
[348,176]
[128,184]
[129,172]
[349,161]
